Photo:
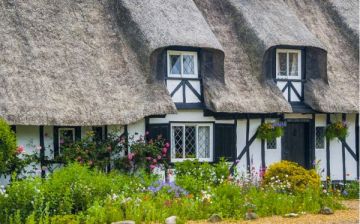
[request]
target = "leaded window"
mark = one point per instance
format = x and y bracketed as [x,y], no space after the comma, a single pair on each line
[190,141]
[320,137]
[182,64]
[288,63]
[271,144]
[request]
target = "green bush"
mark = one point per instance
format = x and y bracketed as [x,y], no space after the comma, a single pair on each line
[351,190]
[8,148]
[78,194]
[195,176]
[290,177]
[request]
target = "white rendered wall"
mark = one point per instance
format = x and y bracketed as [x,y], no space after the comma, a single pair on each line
[320,154]
[336,170]
[137,129]
[273,155]
[240,144]
[350,163]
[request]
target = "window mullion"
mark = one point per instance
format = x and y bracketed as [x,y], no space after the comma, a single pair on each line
[181,65]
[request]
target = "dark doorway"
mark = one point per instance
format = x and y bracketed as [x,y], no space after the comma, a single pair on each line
[296,143]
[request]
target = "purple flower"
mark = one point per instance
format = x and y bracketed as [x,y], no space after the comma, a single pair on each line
[169,187]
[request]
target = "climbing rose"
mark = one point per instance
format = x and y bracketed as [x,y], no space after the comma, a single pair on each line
[164,150]
[152,166]
[20,149]
[154,161]
[167,145]
[131,156]
[148,158]
[158,157]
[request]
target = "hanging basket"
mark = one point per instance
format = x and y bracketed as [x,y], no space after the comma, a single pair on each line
[337,130]
[270,131]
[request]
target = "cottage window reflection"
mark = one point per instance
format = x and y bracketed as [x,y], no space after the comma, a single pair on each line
[66,137]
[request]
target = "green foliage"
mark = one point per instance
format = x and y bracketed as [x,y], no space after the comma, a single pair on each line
[351,190]
[195,176]
[77,194]
[291,177]
[336,130]
[143,154]
[269,131]
[8,148]
[92,152]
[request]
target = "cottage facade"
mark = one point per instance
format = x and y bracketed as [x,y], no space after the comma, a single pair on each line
[203,74]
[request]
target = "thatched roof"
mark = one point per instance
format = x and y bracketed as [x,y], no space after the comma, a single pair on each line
[248,29]
[75,62]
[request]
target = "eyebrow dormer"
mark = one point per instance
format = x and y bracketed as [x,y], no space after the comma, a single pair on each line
[182,79]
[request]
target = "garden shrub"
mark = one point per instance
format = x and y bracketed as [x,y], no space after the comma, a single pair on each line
[195,176]
[7,148]
[289,176]
[351,190]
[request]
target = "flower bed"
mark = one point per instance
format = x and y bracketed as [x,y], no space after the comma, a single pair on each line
[78,194]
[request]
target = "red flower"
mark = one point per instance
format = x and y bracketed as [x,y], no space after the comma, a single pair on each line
[20,149]
[167,145]
[164,150]
[154,161]
[131,156]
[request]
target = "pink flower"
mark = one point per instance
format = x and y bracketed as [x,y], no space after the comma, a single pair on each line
[147,133]
[38,148]
[164,155]
[61,141]
[20,149]
[167,145]
[91,163]
[159,157]
[152,167]
[131,156]
[154,161]
[164,150]
[148,158]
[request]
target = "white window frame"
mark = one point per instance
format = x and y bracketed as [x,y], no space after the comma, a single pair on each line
[197,125]
[59,135]
[181,54]
[287,51]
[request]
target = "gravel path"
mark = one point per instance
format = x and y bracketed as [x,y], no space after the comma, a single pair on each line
[349,216]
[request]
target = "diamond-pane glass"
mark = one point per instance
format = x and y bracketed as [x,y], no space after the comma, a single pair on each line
[177,142]
[190,142]
[271,144]
[175,65]
[204,142]
[293,64]
[188,64]
[320,137]
[282,64]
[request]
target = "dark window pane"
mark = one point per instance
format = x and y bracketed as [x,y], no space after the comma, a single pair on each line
[190,142]
[175,65]
[177,142]
[282,64]
[98,134]
[66,137]
[204,142]
[271,144]
[188,64]
[320,137]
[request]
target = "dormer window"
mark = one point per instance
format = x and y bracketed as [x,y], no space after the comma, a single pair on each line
[182,64]
[288,74]
[288,64]
[183,79]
